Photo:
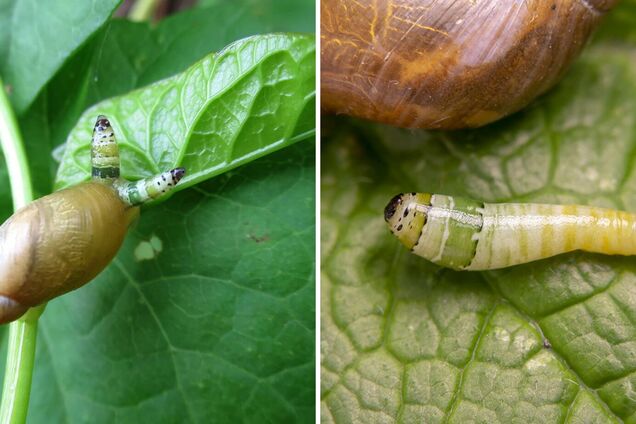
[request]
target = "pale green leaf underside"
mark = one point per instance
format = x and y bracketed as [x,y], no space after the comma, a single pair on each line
[225,110]
[548,342]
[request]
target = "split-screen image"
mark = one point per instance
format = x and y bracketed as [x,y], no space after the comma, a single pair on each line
[318,211]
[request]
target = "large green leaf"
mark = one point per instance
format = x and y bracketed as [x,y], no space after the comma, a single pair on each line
[36,38]
[227,109]
[551,341]
[127,55]
[206,314]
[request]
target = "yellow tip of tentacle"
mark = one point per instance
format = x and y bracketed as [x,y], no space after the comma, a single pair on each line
[405,215]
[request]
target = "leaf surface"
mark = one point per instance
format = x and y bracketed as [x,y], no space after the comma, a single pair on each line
[205,315]
[36,38]
[227,109]
[127,55]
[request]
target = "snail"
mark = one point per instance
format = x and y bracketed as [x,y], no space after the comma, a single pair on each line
[466,234]
[62,241]
[447,64]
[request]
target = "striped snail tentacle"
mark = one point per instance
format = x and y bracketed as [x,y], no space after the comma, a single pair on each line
[464,234]
[104,151]
[105,162]
[138,192]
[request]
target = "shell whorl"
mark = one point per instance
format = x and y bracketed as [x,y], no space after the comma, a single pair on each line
[447,64]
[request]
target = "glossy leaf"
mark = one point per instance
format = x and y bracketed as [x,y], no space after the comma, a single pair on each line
[223,111]
[550,341]
[205,315]
[35,40]
[127,55]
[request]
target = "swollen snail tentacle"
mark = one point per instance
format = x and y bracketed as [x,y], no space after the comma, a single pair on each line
[465,234]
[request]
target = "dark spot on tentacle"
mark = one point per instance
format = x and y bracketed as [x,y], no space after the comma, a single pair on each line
[102,123]
[390,209]
[406,212]
[399,228]
[177,174]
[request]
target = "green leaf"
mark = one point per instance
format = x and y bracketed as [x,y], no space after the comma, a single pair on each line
[183,38]
[223,111]
[129,55]
[206,314]
[550,341]
[619,24]
[35,40]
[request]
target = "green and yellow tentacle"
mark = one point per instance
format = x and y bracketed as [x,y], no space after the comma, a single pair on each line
[138,192]
[104,151]
[465,234]
[105,168]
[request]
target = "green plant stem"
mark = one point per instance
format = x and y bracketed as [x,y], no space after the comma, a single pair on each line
[23,332]
[14,155]
[142,10]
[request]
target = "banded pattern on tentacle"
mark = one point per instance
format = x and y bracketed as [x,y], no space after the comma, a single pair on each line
[138,192]
[104,151]
[105,168]
[465,234]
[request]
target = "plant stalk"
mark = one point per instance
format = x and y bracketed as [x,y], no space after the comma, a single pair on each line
[23,332]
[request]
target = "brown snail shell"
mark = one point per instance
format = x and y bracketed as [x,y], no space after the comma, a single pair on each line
[58,243]
[447,63]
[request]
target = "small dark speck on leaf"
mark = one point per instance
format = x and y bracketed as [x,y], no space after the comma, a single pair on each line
[546,344]
[258,239]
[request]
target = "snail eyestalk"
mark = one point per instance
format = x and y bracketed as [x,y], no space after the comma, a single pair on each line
[138,192]
[105,169]
[104,152]
[465,234]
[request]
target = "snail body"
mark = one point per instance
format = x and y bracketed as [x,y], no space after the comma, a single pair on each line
[446,63]
[466,234]
[62,241]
